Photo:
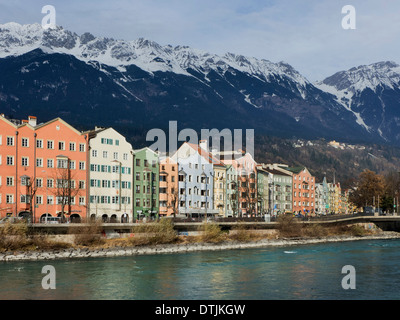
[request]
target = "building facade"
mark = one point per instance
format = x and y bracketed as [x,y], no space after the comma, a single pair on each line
[44,169]
[232,199]
[195,181]
[303,191]
[110,176]
[262,190]
[280,189]
[169,193]
[146,173]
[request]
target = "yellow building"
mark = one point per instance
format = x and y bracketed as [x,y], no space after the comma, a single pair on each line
[220,189]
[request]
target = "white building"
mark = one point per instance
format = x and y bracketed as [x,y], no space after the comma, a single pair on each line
[195,181]
[110,176]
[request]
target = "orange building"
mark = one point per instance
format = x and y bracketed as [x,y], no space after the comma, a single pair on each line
[303,190]
[169,197]
[42,169]
[246,168]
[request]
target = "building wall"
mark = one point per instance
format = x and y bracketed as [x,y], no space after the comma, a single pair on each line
[262,191]
[36,161]
[247,183]
[110,176]
[146,184]
[169,193]
[195,181]
[58,141]
[232,203]
[219,195]
[281,193]
[9,168]
[303,192]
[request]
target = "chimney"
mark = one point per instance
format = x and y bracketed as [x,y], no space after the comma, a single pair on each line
[32,121]
[203,144]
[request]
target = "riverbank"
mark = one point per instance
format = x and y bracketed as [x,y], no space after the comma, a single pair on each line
[118,251]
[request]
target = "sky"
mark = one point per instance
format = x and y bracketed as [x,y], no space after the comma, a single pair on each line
[307,34]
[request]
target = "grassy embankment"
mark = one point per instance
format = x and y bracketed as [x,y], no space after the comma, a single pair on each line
[16,237]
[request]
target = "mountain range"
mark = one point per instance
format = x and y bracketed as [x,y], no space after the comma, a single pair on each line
[138,85]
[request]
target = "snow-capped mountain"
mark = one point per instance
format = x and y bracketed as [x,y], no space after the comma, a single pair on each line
[372,94]
[16,39]
[87,79]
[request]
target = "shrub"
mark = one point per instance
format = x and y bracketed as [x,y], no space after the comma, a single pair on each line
[161,232]
[89,234]
[315,230]
[211,232]
[288,226]
[357,231]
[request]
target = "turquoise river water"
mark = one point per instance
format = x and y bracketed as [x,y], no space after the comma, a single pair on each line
[295,273]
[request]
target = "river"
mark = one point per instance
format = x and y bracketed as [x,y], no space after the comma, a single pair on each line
[294,273]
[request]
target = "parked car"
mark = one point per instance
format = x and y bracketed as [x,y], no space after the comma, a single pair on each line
[51,220]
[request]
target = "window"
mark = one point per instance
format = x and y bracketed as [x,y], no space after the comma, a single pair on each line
[81,165]
[138,162]
[50,163]
[9,198]
[50,144]
[39,162]
[24,161]
[82,147]
[10,181]
[61,145]
[115,155]
[25,142]
[62,163]
[39,200]
[94,153]
[39,143]
[25,198]
[10,141]
[82,184]
[25,181]
[81,201]
[72,146]
[50,200]
[49,183]
[39,182]
[125,156]
[10,160]
[72,164]
[105,154]
[115,199]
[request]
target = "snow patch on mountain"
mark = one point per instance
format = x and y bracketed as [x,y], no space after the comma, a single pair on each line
[16,39]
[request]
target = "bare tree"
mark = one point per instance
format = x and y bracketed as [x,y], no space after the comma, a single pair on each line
[174,201]
[65,189]
[30,191]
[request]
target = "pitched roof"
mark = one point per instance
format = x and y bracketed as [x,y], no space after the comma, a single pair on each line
[206,155]
[295,169]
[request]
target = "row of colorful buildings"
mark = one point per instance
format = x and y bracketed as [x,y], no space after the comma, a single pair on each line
[51,169]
